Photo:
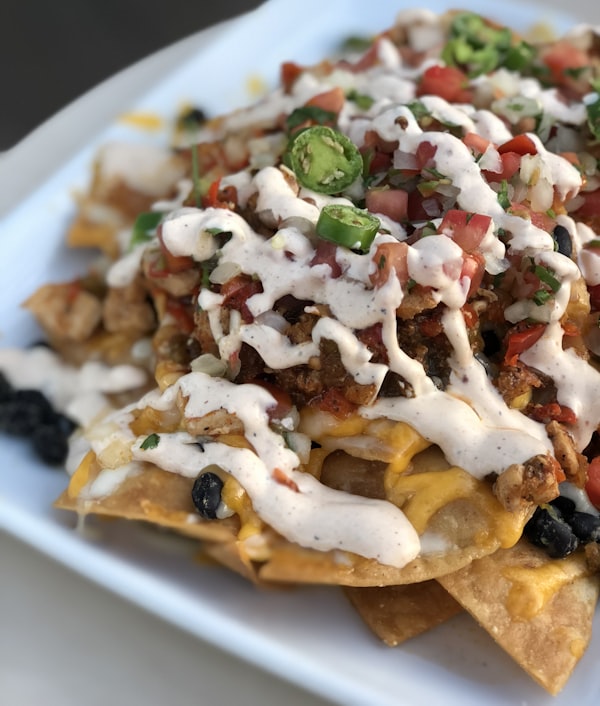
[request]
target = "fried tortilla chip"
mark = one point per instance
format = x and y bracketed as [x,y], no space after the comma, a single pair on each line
[154,496]
[539,610]
[397,613]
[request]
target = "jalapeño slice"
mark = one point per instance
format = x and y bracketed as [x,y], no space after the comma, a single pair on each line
[324,159]
[348,226]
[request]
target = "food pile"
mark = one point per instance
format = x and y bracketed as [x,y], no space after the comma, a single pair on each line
[368,307]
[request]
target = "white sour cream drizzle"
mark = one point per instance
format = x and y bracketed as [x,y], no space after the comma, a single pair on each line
[80,393]
[310,513]
[469,420]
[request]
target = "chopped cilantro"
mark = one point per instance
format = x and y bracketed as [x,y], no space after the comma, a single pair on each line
[144,228]
[418,109]
[503,198]
[541,297]
[547,277]
[363,101]
[150,442]
[309,114]
[356,44]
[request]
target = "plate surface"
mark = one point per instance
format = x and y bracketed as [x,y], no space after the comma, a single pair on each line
[308,636]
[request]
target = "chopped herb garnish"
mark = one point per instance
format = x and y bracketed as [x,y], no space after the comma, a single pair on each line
[309,114]
[150,442]
[356,44]
[418,109]
[144,228]
[503,197]
[546,276]
[363,101]
[541,296]
[593,117]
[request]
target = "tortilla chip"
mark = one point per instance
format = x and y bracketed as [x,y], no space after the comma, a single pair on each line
[537,609]
[155,496]
[229,555]
[397,613]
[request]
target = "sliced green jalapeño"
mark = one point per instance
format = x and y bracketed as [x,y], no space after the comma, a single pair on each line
[348,226]
[324,160]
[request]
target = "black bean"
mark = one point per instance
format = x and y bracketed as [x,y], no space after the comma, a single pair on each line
[585,526]
[548,530]
[565,506]
[50,443]
[6,389]
[491,343]
[206,494]
[24,411]
[563,241]
[192,118]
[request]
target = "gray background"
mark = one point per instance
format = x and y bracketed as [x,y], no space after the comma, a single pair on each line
[52,52]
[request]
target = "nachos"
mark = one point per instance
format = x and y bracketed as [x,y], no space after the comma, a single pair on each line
[370,306]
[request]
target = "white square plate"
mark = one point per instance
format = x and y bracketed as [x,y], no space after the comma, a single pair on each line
[308,636]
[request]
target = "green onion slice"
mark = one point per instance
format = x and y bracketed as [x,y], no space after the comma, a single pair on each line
[324,160]
[348,226]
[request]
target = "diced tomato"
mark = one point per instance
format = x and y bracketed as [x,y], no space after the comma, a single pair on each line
[592,485]
[560,58]
[334,401]
[473,268]
[552,411]
[289,73]
[379,162]
[236,293]
[520,339]
[511,161]
[417,203]
[476,143]
[325,254]
[541,220]
[590,206]
[424,154]
[373,139]
[390,257]
[466,229]
[521,144]
[389,202]
[448,82]
[332,100]
[173,264]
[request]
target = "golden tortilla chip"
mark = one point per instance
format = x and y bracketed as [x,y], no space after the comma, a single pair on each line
[397,613]
[537,609]
[155,496]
